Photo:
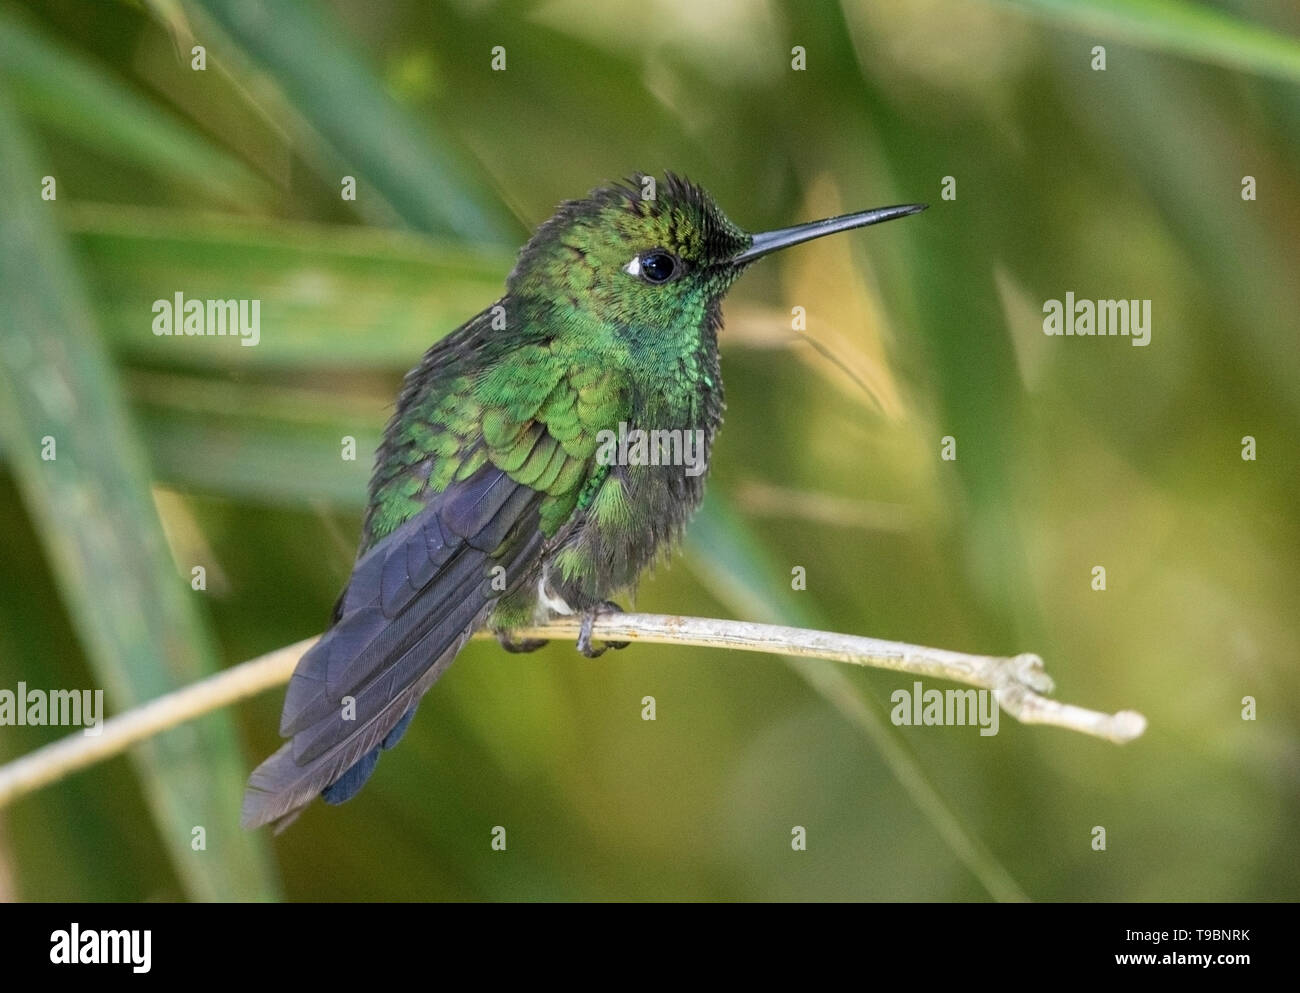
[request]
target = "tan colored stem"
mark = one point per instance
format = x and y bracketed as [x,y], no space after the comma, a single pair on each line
[1017,682]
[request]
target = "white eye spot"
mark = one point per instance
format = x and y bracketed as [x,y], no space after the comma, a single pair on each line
[633,268]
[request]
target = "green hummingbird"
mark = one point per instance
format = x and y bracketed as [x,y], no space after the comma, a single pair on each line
[498,499]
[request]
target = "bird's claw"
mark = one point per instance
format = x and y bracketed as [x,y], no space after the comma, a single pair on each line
[522,645]
[584,631]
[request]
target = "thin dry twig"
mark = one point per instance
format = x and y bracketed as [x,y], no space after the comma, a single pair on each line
[1018,683]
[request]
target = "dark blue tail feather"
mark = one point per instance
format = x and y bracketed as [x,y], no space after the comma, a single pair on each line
[349,784]
[413,601]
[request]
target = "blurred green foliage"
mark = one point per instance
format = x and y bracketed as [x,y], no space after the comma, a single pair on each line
[1072,453]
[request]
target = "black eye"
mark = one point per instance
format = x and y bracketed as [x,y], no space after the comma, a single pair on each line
[658,267]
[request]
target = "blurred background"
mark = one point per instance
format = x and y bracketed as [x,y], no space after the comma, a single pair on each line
[225,182]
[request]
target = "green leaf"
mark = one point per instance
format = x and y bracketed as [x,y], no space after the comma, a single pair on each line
[728,559]
[346,298]
[1189,29]
[91,505]
[255,442]
[55,86]
[410,163]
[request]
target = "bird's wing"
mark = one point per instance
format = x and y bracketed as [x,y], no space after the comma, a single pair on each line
[484,477]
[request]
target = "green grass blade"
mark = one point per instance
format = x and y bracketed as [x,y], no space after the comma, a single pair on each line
[343,298]
[727,559]
[67,94]
[410,164]
[1190,29]
[258,443]
[92,509]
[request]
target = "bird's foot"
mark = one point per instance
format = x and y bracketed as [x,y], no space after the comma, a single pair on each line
[522,645]
[584,632]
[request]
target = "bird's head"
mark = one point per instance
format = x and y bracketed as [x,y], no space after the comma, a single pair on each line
[643,256]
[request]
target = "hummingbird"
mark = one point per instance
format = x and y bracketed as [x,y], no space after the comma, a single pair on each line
[493,502]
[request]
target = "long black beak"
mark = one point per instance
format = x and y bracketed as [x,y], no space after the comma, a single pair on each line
[771,241]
